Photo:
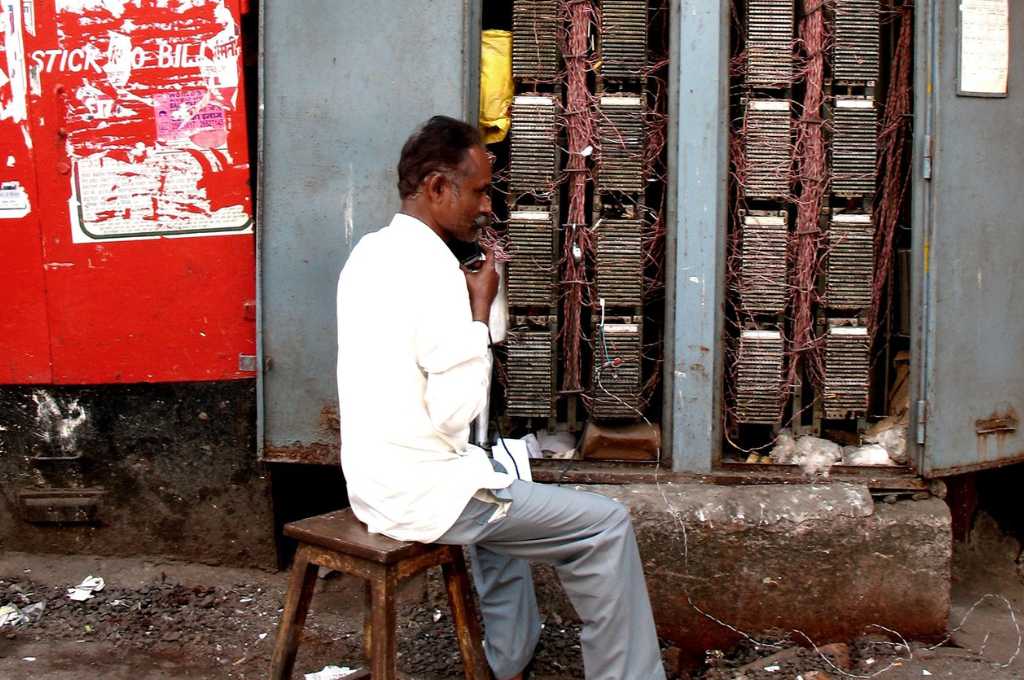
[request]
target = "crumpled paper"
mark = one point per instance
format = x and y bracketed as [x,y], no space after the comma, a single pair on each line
[890,433]
[871,454]
[10,615]
[560,444]
[331,673]
[84,590]
[813,454]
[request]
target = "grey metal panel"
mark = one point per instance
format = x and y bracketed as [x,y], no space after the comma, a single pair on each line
[969,259]
[343,85]
[696,219]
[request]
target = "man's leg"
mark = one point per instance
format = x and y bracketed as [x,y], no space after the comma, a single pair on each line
[507,601]
[589,540]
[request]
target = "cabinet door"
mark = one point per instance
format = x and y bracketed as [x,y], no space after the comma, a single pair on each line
[138,125]
[24,334]
[344,84]
[969,222]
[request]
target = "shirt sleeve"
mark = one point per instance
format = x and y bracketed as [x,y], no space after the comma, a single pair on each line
[457,363]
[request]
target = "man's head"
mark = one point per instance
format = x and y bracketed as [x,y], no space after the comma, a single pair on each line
[444,178]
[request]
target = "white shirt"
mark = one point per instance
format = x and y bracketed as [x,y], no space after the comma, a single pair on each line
[413,372]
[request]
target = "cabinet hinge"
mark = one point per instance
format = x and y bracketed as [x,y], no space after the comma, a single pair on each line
[926,162]
[922,420]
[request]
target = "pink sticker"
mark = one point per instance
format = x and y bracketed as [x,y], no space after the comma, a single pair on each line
[189,115]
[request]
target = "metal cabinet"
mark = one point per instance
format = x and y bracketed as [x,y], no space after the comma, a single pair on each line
[126,238]
[969,257]
[343,86]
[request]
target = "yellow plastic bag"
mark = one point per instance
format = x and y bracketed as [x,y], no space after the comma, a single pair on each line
[496,88]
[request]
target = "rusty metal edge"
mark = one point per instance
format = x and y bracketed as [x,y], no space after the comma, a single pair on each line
[260,191]
[306,454]
[573,472]
[547,471]
[975,467]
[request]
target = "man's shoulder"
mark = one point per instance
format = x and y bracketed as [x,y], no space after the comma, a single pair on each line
[369,243]
[370,251]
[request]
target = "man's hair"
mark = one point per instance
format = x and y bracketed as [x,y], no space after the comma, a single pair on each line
[439,145]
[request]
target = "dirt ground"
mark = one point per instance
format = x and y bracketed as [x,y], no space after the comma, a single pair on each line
[157,620]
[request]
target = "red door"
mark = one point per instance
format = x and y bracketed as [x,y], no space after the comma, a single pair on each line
[145,266]
[24,334]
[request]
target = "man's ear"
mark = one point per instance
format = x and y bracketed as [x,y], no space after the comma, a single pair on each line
[434,186]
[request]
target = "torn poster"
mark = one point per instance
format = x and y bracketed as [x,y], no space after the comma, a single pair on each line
[162,195]
[13,87]
[153,117]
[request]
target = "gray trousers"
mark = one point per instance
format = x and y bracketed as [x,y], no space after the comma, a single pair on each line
[589,540]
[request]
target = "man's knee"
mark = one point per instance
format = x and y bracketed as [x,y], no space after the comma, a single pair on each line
[617,518]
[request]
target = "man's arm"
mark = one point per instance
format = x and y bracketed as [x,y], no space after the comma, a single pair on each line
[482,284]
[454,353]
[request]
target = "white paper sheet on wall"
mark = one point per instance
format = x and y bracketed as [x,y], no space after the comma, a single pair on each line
[984,46]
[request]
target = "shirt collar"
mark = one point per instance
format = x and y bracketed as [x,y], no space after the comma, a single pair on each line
[424,235]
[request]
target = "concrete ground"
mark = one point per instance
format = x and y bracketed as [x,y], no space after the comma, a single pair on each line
[159,619]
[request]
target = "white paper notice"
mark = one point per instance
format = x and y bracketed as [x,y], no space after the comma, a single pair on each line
[984,46]
[159,196]
[13,200]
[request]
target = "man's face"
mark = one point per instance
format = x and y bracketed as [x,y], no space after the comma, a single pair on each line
[467,206]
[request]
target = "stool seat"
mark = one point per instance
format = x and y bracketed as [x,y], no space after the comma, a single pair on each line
[342,532]
[339,541]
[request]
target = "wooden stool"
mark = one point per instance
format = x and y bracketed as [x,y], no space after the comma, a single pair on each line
[339,541]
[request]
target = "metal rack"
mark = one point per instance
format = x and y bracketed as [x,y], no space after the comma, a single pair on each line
[847,370]
[535,52]
[854,146]
[768,148]
[769,42]
[758,382]
[618,267]
[620,130]
[531,372]
[532,268]
[623,38]
[763,240]
[856,53]
[617,368]
[534,148]
[850,265]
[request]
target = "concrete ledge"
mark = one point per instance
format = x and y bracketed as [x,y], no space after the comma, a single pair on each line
[822,559]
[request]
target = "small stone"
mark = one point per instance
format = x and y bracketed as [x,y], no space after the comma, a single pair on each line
[816,675]
[921,496]
[890,498]
[838,653]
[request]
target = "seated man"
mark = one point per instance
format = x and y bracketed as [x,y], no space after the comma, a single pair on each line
[413,372]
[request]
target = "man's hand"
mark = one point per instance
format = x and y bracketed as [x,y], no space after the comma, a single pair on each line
[482,283]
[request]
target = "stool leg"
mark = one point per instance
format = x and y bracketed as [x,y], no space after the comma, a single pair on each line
[367,620]
[464,613]
[382,622]
[293,618]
